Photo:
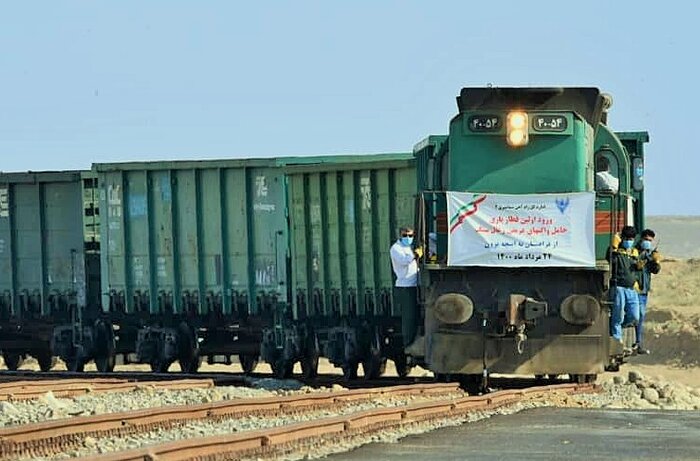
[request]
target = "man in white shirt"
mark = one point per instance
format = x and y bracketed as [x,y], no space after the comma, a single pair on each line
[404,260]
[604,180]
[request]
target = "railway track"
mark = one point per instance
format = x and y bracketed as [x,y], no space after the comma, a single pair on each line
[63,388]
[42,439]
[271,442]
[218,378]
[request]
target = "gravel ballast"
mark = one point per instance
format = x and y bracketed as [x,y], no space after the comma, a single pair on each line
[49,407]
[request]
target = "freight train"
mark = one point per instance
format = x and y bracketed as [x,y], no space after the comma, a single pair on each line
[287,259]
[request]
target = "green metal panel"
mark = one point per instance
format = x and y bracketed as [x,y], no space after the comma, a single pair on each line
[343,220]
[196,236]
[483,162]
[42,248]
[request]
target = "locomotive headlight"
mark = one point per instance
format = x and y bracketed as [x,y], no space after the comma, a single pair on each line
[516,129]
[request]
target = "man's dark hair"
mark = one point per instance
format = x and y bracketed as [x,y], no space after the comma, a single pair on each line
[602,164]
[648,233]
[405,230]
[628,232]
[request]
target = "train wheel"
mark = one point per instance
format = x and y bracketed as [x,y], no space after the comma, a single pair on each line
[402,366]
[46,360]
[248,363]
[309,366]
[282,368]
[583,379]
[309,362]
[159,366]
[373,367]
[105,364]
[188,349]
[473,384]
[76,364]
[191,365]
[13,360]
[350,371]
[105,357]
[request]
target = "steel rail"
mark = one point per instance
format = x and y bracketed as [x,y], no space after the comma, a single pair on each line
[24,390]
[45,438]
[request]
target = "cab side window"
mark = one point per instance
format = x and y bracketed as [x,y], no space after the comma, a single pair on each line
[607,174]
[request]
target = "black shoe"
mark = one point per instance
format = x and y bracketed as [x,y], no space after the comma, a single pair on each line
[642,351]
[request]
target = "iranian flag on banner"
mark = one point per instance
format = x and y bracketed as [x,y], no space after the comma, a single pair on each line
[533,230]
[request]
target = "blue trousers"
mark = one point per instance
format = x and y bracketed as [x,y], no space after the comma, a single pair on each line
[625,311]
[642,316]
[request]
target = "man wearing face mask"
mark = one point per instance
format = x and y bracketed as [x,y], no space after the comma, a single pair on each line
[648,264]
[404,260]
[623,257]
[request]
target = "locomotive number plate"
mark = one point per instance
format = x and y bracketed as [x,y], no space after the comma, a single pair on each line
[485,123]
[549,123]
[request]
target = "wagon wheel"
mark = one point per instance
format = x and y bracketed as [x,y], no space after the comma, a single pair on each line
[374,364]
[309,362]
[105,364]
[472,383]
[350,370]
[282,368]
[188,349]
[13,360]
[248,362]
[309,366]
[105,357]
[373,367]
[191,364]
[402,366]
[76,363]
[46,360]
[160,365]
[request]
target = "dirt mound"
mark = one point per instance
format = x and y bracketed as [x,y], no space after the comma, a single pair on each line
[674,342]
[672,327]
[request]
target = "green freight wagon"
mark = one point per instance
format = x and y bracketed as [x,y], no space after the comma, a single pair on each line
[194,257]
[344,213]
[49,268]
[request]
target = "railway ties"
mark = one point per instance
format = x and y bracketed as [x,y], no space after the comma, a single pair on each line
[281,423]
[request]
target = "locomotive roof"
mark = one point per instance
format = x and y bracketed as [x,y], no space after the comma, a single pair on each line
[587,102]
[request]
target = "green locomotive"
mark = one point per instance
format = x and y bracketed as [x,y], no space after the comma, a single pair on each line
[517,279]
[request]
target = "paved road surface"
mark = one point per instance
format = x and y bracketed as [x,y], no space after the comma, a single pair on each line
[550,433]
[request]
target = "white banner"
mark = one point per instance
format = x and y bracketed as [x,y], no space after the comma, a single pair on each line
[533,230]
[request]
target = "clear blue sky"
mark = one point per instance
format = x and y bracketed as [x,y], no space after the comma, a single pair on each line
[84,82]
